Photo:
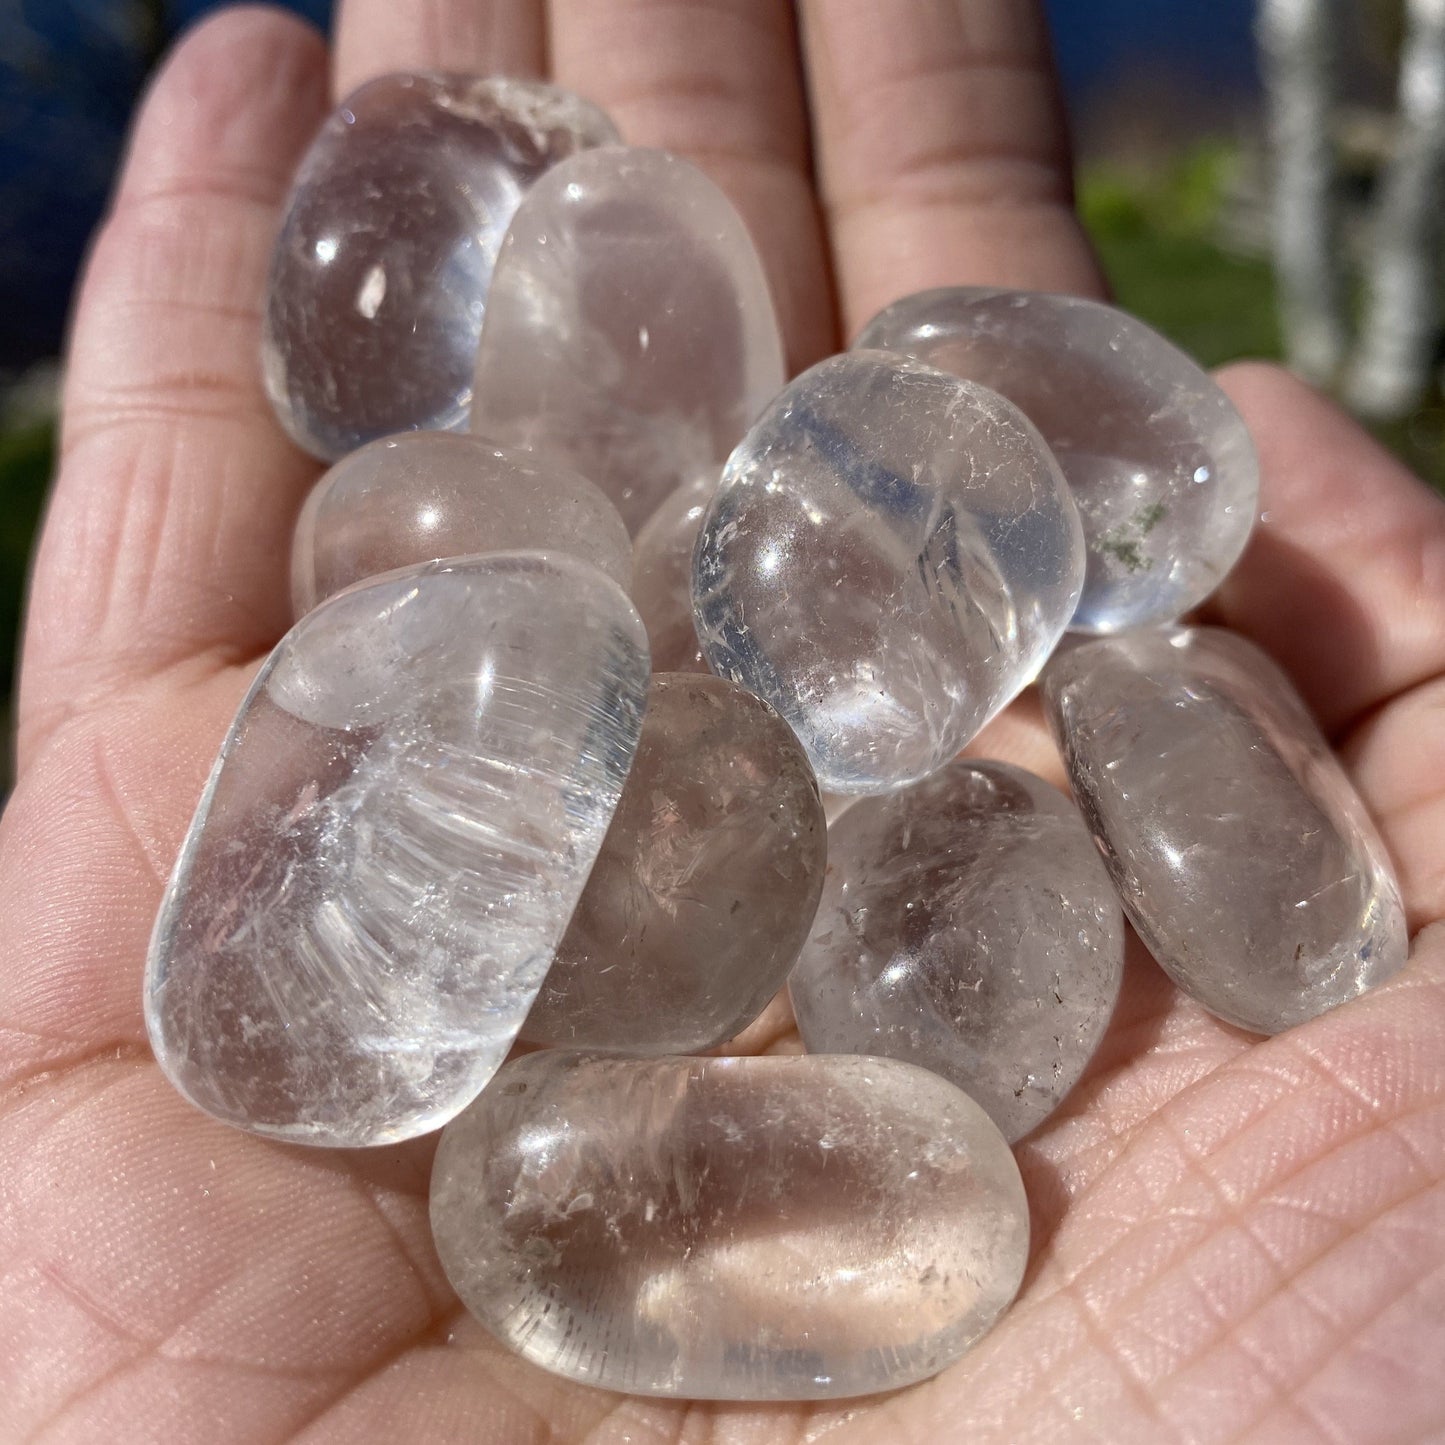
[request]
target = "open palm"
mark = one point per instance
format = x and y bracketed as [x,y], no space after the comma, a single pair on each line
[1234,1239]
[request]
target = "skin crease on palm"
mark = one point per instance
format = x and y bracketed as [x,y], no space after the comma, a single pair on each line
[1234,1239]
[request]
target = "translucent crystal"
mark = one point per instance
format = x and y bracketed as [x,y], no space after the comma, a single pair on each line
[662,575]
[705,886]
[629,331]
[379,278]
[890,556]
[1160,463]
[967,926]
[420,496]
[1244,857]
[392,841]
[738,1229]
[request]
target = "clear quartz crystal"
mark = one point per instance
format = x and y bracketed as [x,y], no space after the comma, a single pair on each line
[422,496]
[662,575]
[889,558]
[1243,855]
[394,836]
[629,331]
[380,273]
[967,926]
[705,886]
[1160,463]
[737,1229]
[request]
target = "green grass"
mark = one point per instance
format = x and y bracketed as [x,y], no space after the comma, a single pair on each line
[1157,235]
[26,454]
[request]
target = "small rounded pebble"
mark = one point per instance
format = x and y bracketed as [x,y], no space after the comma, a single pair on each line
[662,575]
[705,886]
[1159,461]
[730,1229]
[423,496]
[889,558]
[629,332]
[1242,853]
[381,269]
[394,837]
[967,926]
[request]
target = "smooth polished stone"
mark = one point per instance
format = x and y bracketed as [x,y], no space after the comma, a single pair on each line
[967,925]
[730,1229]
[423,496]
[395,834]
[380,273]
[890,556]
[705,886]
[1242,853]
[1159,461]
[630,331]
[662,575]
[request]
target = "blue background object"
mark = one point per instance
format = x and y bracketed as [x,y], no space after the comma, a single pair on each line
[70,72]
[1210,42]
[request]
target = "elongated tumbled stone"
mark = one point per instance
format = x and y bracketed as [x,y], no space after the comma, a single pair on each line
[967,926]
[734,1229]
[1244,857]
[629,331]
[380,274]
[889,558]
[1160,463]
[662,575]
[705,886]
[390,846]
[422,496]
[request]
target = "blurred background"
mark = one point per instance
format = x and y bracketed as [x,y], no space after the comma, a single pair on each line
[1262,178]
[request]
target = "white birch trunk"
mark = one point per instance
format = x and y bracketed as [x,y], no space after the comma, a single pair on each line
[1402,300]
[1297,53]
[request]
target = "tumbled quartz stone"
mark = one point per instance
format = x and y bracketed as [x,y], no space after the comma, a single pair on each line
[422,496]
[662,575]
[730,1229]
[705,886]
[889,558]
[1160,463]
[630,331]
[380,273]
[968,926]
[1243,855]
[391,843]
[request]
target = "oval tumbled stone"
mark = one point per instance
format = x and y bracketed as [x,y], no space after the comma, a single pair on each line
[705,886]
[889,558]
[380,274]
[629,330]
[1243,856]
[422,496]
[397,829]
[967,926]
[730,1229]
[1159,461]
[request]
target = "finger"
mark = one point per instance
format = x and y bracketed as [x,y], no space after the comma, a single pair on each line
[1019,735]
[168,529]
[1397,758]
[941,150]
[716,81]
[468,37]
[1344,580]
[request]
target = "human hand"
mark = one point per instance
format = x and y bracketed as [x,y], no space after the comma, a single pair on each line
[1234,1239]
